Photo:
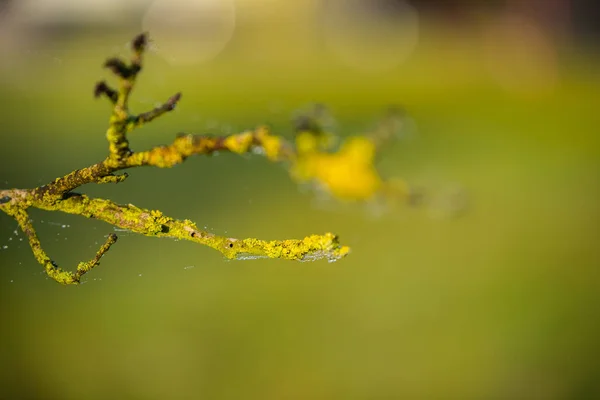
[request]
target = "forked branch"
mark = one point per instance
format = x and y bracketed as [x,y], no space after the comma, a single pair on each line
[58,195]
[343,169]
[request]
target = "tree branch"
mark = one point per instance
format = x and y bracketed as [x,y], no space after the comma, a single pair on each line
[346,173]
[58,195]
[146,117]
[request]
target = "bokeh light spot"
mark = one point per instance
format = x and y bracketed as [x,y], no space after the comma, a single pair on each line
[190,32]
[370,36]
[520,56]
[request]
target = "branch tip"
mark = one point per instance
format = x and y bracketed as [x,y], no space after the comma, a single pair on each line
[167,106]
[85,267]
[100,88]
[139,42]
[172,102]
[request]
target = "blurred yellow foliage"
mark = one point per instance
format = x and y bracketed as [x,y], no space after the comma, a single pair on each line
[347,174]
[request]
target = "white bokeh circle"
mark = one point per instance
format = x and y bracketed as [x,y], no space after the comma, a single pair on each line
[188,32]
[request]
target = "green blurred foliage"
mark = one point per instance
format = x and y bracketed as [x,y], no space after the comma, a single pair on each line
[499,303]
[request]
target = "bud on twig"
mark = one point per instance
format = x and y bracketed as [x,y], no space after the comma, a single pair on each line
[139,42]
[118,67]
[102,88]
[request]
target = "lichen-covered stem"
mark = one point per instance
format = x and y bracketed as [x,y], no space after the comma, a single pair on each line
[184,146]
[120,120]
[57,188]
[144,118]
[50,267]
[155,223]
[261,140]
[58,196]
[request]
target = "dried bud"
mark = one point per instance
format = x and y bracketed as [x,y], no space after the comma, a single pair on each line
[118,67]
[102,88]
[315,119]
[305,123]
[139,42]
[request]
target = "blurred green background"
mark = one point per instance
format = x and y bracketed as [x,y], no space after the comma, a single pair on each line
[501,302]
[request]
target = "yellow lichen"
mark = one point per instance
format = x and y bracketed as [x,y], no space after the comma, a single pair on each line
[272,145]
[347,174]
[239,143]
